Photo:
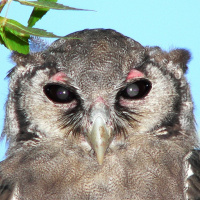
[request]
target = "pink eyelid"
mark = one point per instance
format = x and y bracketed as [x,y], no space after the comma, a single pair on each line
[59,77]
[134,74]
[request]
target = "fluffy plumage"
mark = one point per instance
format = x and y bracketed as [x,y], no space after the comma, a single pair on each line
[100,117]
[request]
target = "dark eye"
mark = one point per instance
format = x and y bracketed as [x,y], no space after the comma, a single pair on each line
[58,93]
[136,90]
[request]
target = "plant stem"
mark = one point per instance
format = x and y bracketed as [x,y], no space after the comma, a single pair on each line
[2,4]
[9,2]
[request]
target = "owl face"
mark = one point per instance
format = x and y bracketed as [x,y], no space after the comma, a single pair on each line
[97,90]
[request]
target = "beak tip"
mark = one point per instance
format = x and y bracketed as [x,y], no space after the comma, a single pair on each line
[100,162]
[100,157]
[100,151]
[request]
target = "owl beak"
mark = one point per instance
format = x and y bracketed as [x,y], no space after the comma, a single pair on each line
[99,137]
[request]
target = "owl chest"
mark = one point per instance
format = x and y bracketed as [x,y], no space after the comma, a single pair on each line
[125,174]
[138,175]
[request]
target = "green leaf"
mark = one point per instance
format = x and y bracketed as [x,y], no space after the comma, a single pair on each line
[37,14]
[20,30]
[1,40]
[46,5]
[15,36]
[14,42]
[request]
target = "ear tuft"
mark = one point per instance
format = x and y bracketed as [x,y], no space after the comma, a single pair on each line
[32,59]
[180,57]
[25,63]
[22,59]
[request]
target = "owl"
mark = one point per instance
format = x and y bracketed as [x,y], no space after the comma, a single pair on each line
[98,116]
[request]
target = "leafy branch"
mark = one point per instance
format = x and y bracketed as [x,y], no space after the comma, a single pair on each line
[15,36]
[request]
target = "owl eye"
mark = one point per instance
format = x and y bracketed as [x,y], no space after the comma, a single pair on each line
[136,90]
[58,93]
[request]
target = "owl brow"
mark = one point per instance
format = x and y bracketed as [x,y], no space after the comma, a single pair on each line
[136,71]
[145,60]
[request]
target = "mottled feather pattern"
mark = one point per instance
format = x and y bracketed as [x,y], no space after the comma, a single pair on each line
[100,117]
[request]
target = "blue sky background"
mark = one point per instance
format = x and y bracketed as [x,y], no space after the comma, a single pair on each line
[168,24]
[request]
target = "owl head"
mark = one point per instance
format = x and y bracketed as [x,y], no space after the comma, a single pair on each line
[98,88]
